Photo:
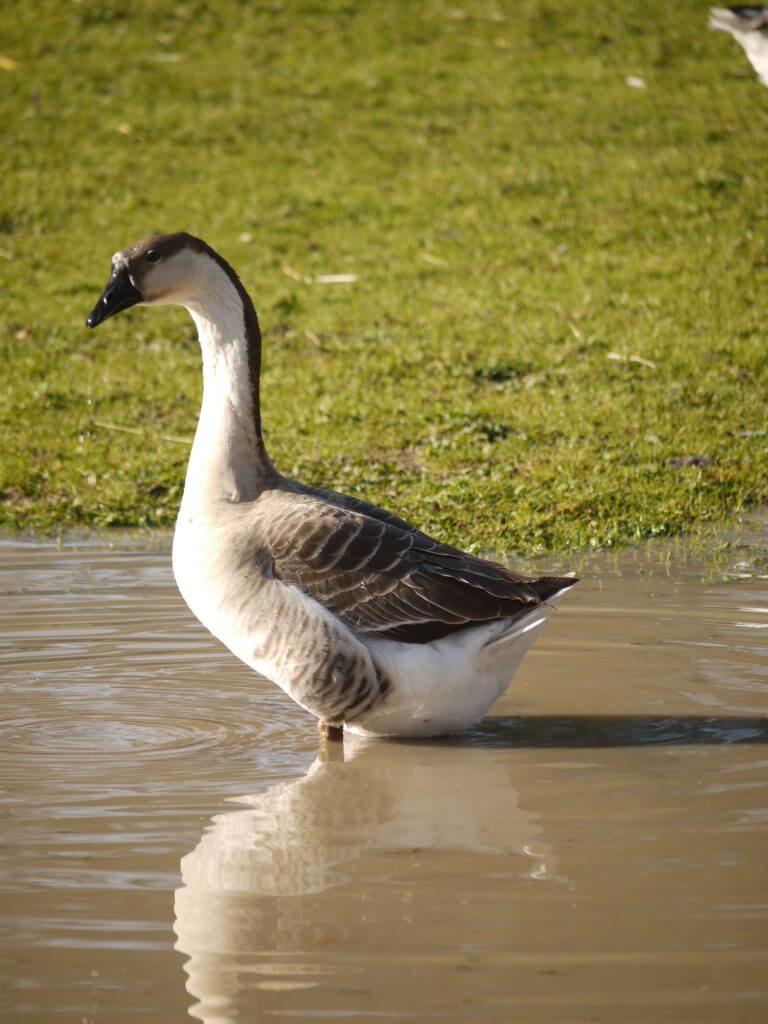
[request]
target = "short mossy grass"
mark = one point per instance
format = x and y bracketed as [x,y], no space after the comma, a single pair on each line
[560,276]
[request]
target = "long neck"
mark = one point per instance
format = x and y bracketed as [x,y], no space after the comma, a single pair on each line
[228,461]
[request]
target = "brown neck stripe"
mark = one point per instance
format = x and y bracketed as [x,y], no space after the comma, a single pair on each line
[252,330]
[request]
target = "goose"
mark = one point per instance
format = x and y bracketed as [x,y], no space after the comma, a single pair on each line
[363,620]
[749,27]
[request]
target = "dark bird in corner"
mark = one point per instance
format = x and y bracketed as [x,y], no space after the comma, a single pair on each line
[749,27]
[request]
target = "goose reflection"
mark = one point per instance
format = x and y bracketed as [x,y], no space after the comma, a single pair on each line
[393,849]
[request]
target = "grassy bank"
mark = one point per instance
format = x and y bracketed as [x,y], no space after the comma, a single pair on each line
[560,278]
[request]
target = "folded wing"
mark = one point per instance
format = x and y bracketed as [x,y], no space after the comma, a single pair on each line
[390,580]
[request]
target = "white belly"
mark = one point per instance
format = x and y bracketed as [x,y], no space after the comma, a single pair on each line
[450,684]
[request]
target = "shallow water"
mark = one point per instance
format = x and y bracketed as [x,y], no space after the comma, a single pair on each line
[173,848]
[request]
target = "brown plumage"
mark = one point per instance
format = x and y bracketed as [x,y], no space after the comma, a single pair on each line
[382,576]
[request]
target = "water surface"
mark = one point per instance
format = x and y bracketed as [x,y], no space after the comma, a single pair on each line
[174,849]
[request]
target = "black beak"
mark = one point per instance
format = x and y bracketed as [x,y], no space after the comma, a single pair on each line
[119,294]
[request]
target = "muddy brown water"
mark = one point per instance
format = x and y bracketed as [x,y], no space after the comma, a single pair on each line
[173,848]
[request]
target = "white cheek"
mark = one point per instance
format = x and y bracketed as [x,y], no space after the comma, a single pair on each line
[170,282]
[167,298]
[159,286]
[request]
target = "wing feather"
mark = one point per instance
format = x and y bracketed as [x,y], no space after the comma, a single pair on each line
[383,577]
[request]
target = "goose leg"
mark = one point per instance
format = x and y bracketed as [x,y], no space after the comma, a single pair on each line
[330,733]
[331,742]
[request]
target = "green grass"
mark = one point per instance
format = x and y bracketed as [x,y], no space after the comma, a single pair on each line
[514,212]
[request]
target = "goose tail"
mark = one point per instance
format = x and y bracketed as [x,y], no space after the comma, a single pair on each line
[550,589]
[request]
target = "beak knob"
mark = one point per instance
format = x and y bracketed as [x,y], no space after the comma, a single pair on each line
[119,294]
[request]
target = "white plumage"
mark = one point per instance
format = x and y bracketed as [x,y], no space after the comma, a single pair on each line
[749,27]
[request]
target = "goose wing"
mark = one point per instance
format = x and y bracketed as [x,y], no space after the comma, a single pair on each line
[389,580]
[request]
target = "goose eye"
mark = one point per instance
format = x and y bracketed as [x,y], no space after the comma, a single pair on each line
[153,255]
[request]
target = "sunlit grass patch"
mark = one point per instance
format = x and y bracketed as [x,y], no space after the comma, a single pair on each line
[558,284]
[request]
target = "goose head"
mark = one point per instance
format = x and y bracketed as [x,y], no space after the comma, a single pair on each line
[160,270]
